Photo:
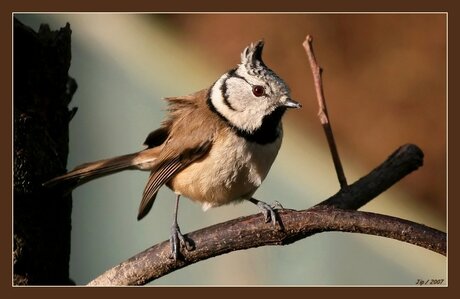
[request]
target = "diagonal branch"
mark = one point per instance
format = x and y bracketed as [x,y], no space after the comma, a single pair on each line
[404,160]
[322,114]
[239,233]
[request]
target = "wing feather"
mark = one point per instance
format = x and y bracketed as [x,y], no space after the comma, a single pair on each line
[156,180]
[167,169]
[178,148]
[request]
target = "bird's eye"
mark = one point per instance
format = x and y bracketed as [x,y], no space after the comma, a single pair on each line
[258,90]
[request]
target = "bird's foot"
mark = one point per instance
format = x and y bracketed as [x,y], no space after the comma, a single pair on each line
[269,211]
[178,241]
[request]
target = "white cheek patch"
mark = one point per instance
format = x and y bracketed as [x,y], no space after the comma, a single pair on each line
[238,95]
[235,108]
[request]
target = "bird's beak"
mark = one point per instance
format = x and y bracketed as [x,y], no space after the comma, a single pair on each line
[290,103]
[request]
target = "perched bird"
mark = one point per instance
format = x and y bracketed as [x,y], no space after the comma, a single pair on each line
[215,147]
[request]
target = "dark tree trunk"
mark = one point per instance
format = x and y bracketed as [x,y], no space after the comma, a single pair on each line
[42,92]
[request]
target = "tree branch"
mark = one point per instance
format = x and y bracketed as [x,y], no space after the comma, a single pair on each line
[317,72]
[403,161]
[239,233]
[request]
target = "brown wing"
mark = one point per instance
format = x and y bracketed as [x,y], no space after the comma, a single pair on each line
[166,169]
[190,130]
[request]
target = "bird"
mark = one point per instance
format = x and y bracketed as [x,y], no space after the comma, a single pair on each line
[215,146]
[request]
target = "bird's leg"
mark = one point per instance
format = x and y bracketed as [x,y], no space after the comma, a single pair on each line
[177,240]
[268,210]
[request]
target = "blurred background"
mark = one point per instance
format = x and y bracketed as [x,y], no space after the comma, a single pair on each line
[385,85]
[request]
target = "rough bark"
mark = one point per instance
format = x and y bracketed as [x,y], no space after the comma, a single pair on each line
[42,92]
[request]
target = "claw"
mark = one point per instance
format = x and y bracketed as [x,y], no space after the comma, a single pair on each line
[268,210]
[178,241]
[277,205]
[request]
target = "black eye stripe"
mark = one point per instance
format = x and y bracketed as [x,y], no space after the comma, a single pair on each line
[233,74]
[223,90]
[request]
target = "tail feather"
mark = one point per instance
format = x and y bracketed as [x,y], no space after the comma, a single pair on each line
[89,171]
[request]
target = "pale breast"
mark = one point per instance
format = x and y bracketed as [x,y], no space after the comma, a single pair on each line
[232,171]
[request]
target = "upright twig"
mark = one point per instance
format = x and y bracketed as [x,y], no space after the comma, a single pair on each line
[322,114]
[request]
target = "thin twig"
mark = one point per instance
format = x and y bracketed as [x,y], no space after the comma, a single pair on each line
[239,233]
[322,114]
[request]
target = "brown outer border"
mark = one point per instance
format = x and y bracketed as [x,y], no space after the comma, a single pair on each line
[6,9]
